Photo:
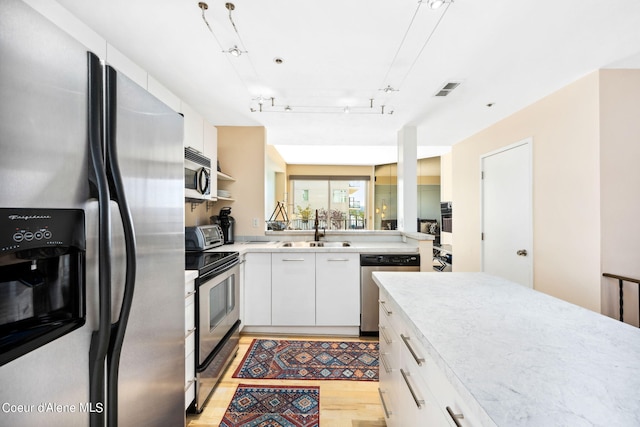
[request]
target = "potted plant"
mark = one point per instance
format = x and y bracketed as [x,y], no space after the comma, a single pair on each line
[305,213]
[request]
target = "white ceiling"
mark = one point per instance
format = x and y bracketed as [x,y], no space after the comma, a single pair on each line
[340,53]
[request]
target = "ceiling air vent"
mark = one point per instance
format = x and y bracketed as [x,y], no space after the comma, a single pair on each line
[447,88]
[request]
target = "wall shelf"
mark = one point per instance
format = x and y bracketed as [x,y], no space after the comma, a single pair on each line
[225,177]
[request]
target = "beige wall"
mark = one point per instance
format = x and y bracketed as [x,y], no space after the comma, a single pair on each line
[275,181]
[620,187]
[566,196]
[241,153]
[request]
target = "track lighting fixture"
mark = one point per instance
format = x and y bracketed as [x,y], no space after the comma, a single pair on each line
[234,51]
[435,4]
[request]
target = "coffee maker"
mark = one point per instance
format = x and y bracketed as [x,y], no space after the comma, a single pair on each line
[226,222]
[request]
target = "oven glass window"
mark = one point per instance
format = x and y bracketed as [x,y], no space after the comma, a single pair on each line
[222,301]
[217,304]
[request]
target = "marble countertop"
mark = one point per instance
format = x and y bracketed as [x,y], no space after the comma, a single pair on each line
[521,357]
[357,247]
[190,275]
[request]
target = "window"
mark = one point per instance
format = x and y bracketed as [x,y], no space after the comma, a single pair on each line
[341,202]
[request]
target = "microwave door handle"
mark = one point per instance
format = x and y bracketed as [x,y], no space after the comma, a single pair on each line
[118,328]
[203,181]
[99,189]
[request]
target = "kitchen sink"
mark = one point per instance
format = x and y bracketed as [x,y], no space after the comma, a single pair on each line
[312,244]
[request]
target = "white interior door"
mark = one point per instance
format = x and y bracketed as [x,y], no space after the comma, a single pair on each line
[507,218]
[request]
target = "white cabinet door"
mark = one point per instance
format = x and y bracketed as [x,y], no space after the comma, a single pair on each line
[193,128]
[293,289]
[257,289]
[210,149]
[337,289]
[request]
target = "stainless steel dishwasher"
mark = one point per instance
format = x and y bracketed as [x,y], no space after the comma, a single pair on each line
[368,288]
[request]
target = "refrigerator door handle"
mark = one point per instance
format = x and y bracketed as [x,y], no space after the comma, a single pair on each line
[118,328]
[99,189]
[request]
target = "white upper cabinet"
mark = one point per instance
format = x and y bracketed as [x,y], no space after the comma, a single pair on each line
[124,65]
[193,128]
[210,149]
[156,89]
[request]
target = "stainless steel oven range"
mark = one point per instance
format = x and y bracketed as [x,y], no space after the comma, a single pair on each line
[217,307]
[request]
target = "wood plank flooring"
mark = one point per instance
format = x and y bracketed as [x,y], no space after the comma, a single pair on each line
[342,403]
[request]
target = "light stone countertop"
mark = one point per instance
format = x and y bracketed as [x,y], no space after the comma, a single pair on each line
[190,275]
[357,247]
[520,357]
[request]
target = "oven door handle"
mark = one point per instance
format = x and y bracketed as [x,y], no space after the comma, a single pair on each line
[118,195]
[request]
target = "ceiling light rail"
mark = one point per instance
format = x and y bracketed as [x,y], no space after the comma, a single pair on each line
[432,4]
[233,51]
[268,105]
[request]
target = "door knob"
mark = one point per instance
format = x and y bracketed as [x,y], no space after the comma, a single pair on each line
[522,252]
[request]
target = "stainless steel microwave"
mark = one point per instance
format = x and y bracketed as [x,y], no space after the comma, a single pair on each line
[197,176]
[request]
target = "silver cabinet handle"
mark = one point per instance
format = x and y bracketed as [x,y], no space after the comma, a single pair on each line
[385,363]
[188,294]
[405,376]
[293,259]
[419,360]
[455,417]
[384,307]
[337,259]
[521,252]
[387,412]
[383,332]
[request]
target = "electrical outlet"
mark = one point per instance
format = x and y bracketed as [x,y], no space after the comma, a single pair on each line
[255,222]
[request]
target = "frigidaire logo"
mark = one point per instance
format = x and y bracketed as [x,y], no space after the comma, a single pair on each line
[28,217]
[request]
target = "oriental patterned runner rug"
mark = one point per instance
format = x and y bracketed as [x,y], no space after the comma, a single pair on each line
[273,406]
[310,360]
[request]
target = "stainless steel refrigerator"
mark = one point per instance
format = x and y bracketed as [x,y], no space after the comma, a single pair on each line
[76,134]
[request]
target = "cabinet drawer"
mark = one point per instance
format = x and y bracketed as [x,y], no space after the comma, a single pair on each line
[447,397]
[189,315]
[389,347]
[417,402]
[189,394]
[189,368]
[190,343]
[189,287]
[389,311]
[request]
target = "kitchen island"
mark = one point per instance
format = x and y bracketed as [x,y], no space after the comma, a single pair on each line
[499,354]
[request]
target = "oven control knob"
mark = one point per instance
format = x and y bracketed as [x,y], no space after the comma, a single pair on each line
[18,237]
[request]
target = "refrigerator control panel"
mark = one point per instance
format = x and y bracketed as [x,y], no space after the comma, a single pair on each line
[25,228]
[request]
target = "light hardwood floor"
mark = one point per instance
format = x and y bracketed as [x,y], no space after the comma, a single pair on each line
[342,403]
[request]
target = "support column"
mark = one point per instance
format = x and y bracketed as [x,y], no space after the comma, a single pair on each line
[407,179]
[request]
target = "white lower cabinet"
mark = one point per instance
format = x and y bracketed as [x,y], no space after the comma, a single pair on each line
[293,288]
[301,289]
[413,389]
[257,289]
[337,289]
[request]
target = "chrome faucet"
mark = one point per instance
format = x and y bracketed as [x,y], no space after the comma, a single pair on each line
[316,224]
